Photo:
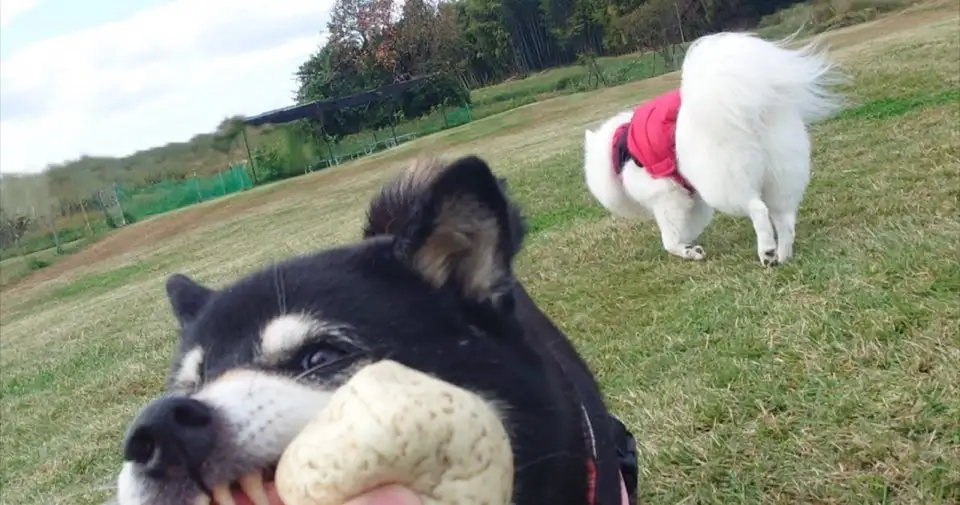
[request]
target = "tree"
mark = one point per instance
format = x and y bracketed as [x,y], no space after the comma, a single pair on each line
[12,228]
[370,46]
[357,23]
[417,43]
[46,204]
[27,199]
[227,133]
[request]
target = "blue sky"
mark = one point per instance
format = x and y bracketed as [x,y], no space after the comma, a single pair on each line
[44,19]
[110,77]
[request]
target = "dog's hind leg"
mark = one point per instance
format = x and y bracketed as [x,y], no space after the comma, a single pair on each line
[762,225]
[784,223]
[789,174]
[788,159]
[675,223]
[699,217]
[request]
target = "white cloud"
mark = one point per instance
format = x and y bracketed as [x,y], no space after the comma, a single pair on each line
[10,9]
[162,75]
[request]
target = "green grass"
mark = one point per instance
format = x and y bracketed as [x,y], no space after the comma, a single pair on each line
[104,282]
[897,106]
[14,267]
[830,380]
[565,80]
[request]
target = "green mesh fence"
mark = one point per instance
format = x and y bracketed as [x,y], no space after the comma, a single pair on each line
[459,116]
[277,163]
[369,142]
[140,202]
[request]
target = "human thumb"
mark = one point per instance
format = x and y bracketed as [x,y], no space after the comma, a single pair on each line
[387,495]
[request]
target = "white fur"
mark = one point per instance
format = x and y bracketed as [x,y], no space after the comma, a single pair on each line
[742,143]
[287,333]
[259,415]
[189,373]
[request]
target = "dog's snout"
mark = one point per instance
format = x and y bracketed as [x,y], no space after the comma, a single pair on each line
[170,434]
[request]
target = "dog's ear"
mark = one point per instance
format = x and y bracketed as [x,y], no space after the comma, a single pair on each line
[458,235]
[186,297]
[587,135]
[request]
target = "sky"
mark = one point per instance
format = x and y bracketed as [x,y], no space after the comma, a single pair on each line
[112,77]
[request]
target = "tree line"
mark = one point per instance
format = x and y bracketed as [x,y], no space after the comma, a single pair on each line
[481,42]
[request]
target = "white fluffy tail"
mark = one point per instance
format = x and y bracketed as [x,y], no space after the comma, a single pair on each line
[602,180]
[741,78]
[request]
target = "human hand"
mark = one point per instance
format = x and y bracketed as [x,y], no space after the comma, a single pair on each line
[387,495]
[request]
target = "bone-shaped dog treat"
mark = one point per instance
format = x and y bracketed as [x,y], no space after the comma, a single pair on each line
[391,424]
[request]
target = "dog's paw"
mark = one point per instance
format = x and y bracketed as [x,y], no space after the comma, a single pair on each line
[784,256]
[694,252]
[769,258]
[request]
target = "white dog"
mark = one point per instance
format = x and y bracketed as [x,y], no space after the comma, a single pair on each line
[738,144]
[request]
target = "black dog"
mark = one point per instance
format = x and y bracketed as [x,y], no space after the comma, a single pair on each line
[431,286]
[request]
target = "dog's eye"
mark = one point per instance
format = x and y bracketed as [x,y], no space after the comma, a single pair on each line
[317,357]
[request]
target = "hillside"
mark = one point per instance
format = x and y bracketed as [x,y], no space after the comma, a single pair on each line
[204,155]
[67,187]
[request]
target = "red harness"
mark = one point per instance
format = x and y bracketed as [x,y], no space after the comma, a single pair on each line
[592,480]
[649,139]
[591,460]
[592,467]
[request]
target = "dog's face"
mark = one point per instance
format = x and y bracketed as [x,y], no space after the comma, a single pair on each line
[429,286]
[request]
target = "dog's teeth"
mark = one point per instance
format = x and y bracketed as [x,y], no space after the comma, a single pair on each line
[252,485]
[223,496]
[201,500]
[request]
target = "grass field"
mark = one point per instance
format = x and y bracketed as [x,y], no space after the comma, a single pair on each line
[832,380]
[15,268]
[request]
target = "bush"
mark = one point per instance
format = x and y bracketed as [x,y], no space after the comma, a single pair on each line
[270,163]
[34,263]
[414,102]
[42,240]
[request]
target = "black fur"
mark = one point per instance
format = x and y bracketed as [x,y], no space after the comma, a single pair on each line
[186,297]
[500,345]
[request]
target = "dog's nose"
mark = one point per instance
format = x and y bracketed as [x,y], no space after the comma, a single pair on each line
[170,434]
